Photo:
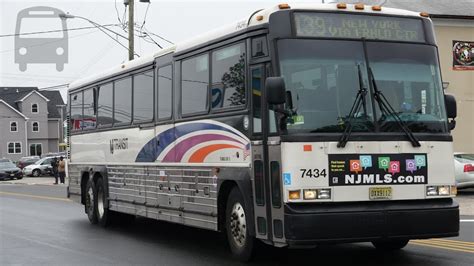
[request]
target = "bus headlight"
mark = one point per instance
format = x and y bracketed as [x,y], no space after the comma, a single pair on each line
[309,194]
[443,190]
[324,193]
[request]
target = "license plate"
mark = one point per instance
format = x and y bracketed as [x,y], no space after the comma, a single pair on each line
[380,193]
[12,174]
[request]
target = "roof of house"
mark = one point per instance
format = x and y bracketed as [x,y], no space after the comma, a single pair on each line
[461,9]
[12,96]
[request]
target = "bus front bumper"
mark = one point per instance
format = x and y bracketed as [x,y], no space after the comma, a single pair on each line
[310,224]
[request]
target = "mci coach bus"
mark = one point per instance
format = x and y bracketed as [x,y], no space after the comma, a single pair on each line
[298,126]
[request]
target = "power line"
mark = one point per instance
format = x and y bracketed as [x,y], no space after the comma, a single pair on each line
[50,31]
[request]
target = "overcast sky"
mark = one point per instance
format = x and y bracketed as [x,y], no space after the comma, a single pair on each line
[91,51]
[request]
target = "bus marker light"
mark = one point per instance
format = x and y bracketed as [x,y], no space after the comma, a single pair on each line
[308,147]
[341,6]
[376,8]
[283,6]
[309,194]
[294,194]
[424,14]
[259,17]
[359,6]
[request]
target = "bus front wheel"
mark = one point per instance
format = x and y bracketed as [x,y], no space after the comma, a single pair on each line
[240,241]
[389,245]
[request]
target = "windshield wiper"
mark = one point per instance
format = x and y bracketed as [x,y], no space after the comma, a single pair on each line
[358,103]
[388,110]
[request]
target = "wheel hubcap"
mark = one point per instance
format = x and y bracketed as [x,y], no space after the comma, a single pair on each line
[238,225]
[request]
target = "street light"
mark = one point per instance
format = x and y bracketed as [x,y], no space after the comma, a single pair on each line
[101,28]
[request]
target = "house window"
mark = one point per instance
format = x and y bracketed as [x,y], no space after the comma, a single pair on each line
[14,147]
[13,126]
[35,150]
[35,126]
[34,108]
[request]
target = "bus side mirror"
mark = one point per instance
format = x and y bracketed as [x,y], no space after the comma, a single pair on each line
[275,90]
[451,110]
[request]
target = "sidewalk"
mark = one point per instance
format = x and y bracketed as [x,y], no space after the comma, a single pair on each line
[47,181]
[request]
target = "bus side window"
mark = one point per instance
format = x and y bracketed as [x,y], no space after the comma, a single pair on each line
[123,101]
[143,97]
[89,116]
[194,85]
[228,79]
[259,47]
[76,111]
[165,89]
[256,99]
[105,105]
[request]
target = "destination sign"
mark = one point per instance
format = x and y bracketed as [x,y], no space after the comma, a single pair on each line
[330,25]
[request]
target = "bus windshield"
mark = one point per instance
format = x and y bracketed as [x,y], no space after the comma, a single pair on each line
[323,78]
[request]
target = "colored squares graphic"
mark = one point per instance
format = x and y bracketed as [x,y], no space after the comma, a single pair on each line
[365,161]
[394,167]
[384,162]
[355,166]
[411,165]
[420,161]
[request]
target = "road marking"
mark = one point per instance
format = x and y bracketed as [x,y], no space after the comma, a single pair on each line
[33,196]
[455,245]
[467,221]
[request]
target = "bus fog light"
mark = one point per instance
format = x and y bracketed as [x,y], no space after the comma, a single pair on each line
[431,191]
[59,51]
[443,190]
[22,51]
[294,194]
[324,193]
[309,194]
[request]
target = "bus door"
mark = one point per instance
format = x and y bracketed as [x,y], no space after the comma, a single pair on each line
[266,152]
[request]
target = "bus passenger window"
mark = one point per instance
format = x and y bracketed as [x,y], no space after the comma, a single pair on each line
[194,84]
[228,80]
[259,47]
[89,119]
[256,99]
[164,92]
[123,101]
[105,107]
[143,97]
[76,111]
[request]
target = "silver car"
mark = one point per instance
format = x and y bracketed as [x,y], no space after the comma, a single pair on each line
[41,167]
[464,170]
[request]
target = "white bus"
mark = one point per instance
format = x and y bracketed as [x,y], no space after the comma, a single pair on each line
[298,126]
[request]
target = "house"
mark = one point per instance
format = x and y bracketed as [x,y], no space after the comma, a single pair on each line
[30,121]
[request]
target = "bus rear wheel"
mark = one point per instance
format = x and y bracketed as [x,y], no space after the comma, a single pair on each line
[240,241]
[103,213]
[389,245]
[91,202]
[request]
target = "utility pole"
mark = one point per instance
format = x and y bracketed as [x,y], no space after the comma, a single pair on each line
[131,47]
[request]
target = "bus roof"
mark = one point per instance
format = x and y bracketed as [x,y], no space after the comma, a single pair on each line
[257,18]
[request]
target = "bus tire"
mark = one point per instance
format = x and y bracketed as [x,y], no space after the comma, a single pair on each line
[104,216]
[389,245]
[240,241]
[91,202]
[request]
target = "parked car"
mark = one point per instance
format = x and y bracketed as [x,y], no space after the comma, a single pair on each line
[40,167]
[54,154]
[3,160]
[464,170]
[25,161]
[8,170]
